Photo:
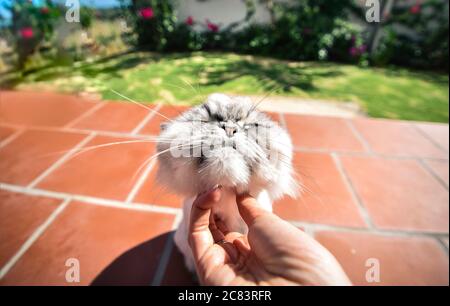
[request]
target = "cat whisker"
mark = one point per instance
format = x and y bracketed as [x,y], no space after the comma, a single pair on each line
[151,158]
[140,104]
[263,98]
[98,146]
[189,84]
[87,149]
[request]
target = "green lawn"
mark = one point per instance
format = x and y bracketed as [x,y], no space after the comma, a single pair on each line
[186,78]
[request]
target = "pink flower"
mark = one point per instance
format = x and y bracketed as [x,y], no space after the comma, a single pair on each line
[26,32]
[415,9]
[212,26]
[146,13]
[354,51]
[190,21]
[362,49]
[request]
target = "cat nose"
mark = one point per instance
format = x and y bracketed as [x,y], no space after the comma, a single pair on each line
[230,127]
[230,130]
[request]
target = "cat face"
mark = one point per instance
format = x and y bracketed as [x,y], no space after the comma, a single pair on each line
[225,141]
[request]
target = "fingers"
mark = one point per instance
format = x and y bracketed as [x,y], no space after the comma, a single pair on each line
[249,208]
[200,237]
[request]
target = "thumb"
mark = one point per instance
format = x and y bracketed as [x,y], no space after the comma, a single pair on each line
[249,208]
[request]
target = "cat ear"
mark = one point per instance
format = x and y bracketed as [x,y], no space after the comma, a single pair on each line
[163,126]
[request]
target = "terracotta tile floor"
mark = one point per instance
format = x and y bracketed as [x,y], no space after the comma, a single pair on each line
[375,191]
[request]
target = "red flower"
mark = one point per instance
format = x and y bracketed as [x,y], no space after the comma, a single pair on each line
[362,49]
[212,26]
[146,13]
[45,10]
[190,21]
[26,32]
[415,9]
[354,51]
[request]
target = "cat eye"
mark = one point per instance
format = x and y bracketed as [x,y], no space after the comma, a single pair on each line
[216,117]
[250,125]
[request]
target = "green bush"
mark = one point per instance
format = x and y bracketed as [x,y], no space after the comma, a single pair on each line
[31,26]
[304,30]
[425,45]
[154,21]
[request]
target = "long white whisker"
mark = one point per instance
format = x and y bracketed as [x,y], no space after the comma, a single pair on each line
[152,157]
[140,104]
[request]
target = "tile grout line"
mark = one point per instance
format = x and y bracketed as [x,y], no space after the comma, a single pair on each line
[430,139]
[442,244]
[165,257]
[87,113]
[147,118]
[432,173]
[144,136]
[80,131]
[176,211]
[356,198]
[359,136]
[141,180]
[34,236]
[89,199]
[13,136]
[364,154]
[318,227]
[61,160]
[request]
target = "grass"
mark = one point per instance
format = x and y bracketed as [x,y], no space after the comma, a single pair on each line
[185,78]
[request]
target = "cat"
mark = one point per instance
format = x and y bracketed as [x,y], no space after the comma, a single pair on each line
[224,141]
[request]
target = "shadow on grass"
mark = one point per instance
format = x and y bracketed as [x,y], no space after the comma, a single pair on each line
[427,76]
[270,74]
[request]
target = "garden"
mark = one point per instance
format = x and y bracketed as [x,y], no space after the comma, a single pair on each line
[149,51]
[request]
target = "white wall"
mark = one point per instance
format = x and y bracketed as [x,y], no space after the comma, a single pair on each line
[222,12]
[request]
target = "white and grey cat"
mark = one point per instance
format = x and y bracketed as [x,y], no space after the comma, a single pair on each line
[225,141]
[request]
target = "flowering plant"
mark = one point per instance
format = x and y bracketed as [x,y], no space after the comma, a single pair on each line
[31,25]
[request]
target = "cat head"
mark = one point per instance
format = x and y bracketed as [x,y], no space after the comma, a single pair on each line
[225,141]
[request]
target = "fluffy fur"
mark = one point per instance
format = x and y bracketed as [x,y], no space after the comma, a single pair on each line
[224,141]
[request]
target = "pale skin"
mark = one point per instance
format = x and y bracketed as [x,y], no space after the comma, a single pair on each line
[273,253]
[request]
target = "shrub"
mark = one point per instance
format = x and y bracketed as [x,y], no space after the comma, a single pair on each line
[154,21]
[424,44]
[31,25]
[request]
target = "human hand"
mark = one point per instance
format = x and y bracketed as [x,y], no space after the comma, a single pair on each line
[273,253]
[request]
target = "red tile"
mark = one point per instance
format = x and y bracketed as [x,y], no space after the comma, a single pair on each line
[43,109]
[325,199]
[153,126]
[274,117]
[438,132]
[5,132]
[116,117]
[322,133]
[176,272]
[396,138]
[440,168]
[402,260]
[152,192]
[105,172]
[399,194]
[27,156]
[98,237]
[20,216]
